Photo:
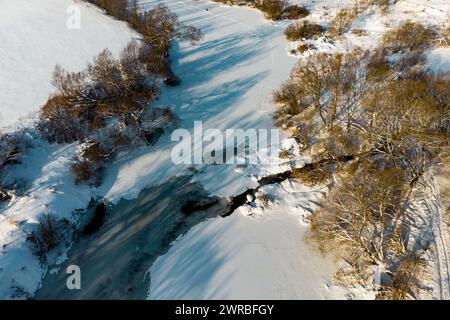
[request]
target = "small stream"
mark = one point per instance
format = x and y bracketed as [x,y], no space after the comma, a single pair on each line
[114,252]
[117,245]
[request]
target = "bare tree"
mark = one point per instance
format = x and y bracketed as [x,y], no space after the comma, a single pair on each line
[362,218]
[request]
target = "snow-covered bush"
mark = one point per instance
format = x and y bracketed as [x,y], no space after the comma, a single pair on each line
[444,37]
[273,9]
[49,233]
[305,30]
[108,89]
[112,89]
[311,176]
[116,8]
[306,46]
[404,48]
[365,4]
[343,21]
[10,150]
[294,12]
[406,279]
[144,126]
[87,171]
[409,36]
[284,154]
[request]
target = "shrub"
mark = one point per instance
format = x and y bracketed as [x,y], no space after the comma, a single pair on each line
[411,35]
[341,142]
[303,134]
[285,154]
[114,89]
[87,171]
[49,234]
[295,12]
[60,120]
[444,37]
[311,176]
[304,47]
[91,162]
[289,97]
[323,83]
[405,281]
[359,32]
[9,149]
[273,9]
[4,194]
[159,26]
[383,4]
[116,8]
[411,65]
[304,30]
[342,22]
[439,91]
[378,69]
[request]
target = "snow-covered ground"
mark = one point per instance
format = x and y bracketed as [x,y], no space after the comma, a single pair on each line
[35,37]
[227,81]
[259,252]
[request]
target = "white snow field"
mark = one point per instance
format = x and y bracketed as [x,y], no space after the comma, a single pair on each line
[35,37]
[227,81]
[259,252]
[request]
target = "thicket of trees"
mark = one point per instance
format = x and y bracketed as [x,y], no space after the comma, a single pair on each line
[108,88]
[158,26]
[394,118]
[106,106]
[364,216]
